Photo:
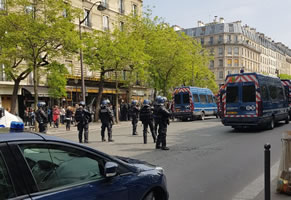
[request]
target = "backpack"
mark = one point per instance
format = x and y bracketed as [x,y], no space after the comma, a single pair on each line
[79,115]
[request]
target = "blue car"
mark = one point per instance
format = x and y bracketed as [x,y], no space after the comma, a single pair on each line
[38,166]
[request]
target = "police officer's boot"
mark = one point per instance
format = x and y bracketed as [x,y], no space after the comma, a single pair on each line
[110,137]
[164,145]
[144,137]
[134,129]
[86,136]
[80,138]
[158,142]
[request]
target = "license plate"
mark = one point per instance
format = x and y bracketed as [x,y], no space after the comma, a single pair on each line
[231,113]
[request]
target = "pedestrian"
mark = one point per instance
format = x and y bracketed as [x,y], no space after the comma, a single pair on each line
[56,116]
[134,112]
[163,121]
[68,117]
[26,116]
[50,116]
[146,116]
[123,110]
[31,116]
[62,115]
[83,118]
[41,117]
[106,117]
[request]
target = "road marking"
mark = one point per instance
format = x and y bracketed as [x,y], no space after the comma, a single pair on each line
[253,189]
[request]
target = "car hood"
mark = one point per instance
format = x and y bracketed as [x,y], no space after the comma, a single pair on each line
[138,164]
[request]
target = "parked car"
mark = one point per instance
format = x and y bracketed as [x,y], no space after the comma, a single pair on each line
[38,166]
[193,103]
[251,99]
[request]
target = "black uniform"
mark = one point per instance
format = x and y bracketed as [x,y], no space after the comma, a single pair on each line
[163,121]
[106,117]
[83,118]
[42,120]
[146,116]
[134,118]
[155,116]
[124,111]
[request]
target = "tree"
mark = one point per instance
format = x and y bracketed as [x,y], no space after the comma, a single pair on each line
[285,76]
[37,32]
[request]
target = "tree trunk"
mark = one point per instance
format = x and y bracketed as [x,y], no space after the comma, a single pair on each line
[99,97]
[35,84]
[14,96]
[116,100]
[129,94]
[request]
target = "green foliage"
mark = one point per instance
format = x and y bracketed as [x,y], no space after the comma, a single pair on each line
[56,80]
[285,76]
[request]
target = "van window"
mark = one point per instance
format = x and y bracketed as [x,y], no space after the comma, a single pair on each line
[280,93]
[210,99]
[177,99]
[186,99]
[273,92]
[195,97]
[249,93]
[202,98]
[264,93]
[232,94]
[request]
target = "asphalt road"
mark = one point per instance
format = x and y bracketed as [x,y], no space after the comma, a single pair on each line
[206,160]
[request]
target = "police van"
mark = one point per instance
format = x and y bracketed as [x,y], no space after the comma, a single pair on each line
[193,103]
[287,86]
[251,99]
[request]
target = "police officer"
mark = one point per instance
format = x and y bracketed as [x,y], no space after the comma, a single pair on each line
[106,116]
[146,116]
[134,116]
[155,114]
[41,117]
[163,121]
[83,118]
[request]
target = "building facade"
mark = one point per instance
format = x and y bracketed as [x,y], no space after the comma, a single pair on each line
[96,20]
[235,46]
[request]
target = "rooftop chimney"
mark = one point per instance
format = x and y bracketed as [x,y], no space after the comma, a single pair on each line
[215,19]
[200,23]
[221,20]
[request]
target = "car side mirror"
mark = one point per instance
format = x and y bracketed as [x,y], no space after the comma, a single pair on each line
[110,169]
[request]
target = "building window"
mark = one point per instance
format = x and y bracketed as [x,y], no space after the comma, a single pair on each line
[211,40]
[220,75]
[236,62]
[2,4]
[231,29]
[228,72]
[105,3]
[211,65]
[202,40]
[220,62]
[212,51]
[2,73]
[229,62]
[105,23]
[235,50]
[229,38]
[220,39]
[202,31]
[134,9]
[121,26]
[121,7]
[229,51]
[220,51]
[87,16]
[236,38]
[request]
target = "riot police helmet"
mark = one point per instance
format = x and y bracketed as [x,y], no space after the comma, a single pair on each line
[104,103]
[165,98]
[146,102]
[161,101]
[134,102]
[82,103]
[40,104]
[158,97]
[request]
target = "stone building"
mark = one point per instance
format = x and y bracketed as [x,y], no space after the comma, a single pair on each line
[235,46]
[97,20]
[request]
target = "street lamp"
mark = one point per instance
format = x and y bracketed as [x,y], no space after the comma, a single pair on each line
[100,7]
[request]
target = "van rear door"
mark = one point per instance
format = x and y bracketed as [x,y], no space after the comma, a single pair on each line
[232,99]
[248,99]
[185,101]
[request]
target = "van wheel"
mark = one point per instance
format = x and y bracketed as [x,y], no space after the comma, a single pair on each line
[202,116]
[287,120]
[272,124]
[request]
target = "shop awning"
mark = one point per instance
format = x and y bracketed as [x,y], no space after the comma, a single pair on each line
[42,91]
[8,90]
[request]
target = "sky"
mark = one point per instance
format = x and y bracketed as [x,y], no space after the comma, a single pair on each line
[271,17]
